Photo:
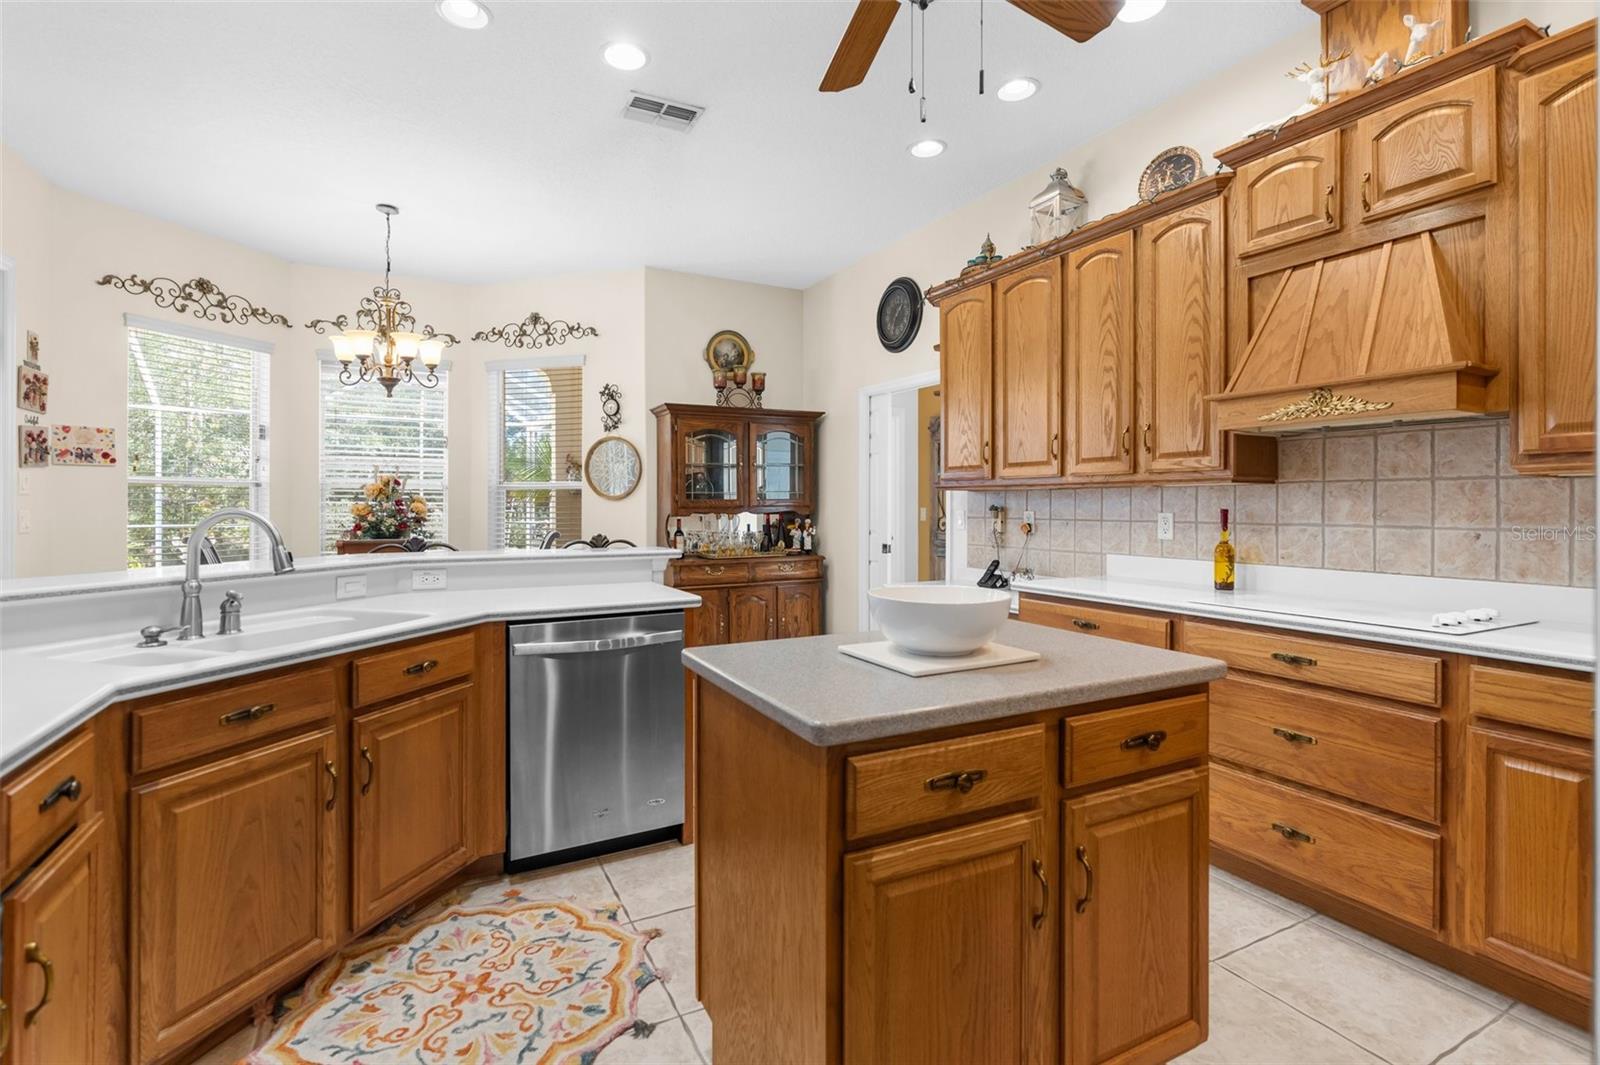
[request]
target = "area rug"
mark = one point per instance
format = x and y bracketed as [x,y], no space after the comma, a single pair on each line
[475,981]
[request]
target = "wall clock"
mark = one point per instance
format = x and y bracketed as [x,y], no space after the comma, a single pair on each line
[899,315]
[1172,169]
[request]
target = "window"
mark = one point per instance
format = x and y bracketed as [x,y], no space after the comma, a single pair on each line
[364,431]
[197,439]
[536,456]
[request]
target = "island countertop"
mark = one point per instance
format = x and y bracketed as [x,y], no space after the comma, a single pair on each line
[828,698]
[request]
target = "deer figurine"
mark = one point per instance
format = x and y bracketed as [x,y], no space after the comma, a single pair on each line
[1315,77]
[1420,32]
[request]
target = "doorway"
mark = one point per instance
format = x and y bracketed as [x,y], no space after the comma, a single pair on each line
[903,516]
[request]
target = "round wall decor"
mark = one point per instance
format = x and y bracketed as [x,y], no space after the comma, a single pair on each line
[1172,169]
[612,467]
[728,351]
[899,315]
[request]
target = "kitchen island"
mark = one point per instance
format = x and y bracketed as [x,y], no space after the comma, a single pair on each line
[1006,864]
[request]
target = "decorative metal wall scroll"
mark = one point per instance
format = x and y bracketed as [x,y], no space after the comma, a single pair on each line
[198,296]
[535,331]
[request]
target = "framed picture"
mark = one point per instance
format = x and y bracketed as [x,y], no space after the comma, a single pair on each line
[33,445]
[33,348]
[33,389]
[83,445]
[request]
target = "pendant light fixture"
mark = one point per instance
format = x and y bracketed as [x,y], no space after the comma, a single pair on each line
[385,345]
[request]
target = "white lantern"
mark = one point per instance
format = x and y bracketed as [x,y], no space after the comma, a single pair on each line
[1058,210]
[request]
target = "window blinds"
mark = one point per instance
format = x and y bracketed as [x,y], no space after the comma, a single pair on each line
[536,454]
[364,431]
[197,441]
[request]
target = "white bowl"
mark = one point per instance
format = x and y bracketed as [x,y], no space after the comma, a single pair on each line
[945,620]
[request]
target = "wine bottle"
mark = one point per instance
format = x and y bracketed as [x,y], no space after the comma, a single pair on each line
[677,535]
[1222,559]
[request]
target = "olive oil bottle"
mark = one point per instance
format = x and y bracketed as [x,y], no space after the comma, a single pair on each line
[1222,559]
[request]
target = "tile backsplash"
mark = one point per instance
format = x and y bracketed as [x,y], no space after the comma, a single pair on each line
[1434,500]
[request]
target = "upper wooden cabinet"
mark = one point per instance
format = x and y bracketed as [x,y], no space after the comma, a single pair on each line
[783,460]
[1289,195]
[966,377]
[1027,371]
[1554,406]
[1100,356]
[1434,145]
[720,460]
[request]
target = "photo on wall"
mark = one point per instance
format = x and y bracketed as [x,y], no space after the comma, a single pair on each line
[33,446]
[83,445]
[33,389]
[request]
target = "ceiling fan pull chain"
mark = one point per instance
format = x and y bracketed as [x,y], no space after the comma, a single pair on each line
[911,51]
[980,47]
[922,104]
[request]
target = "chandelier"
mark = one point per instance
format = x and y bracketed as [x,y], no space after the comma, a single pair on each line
[385,345]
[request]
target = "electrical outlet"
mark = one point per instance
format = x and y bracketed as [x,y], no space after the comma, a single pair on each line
[427,579]
[1163,526]
[350,587]
[1027,517]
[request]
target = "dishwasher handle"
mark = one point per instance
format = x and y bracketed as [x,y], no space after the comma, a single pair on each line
[583,647]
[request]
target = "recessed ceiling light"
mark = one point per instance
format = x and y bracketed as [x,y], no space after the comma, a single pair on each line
[926,149]
[625,56]
[1017,89]
[1139,10]
[467,14]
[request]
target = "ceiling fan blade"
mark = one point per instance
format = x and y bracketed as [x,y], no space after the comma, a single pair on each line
[860,43]
[1078,19]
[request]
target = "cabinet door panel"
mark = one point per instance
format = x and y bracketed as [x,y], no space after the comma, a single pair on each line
[966,372]
[1182,344]
[234,885]
[752,613]
[782,463]
[1289,195]
[1100,356]
[1530,883]
[1135,898]
[410,823]
[1555,360]
[1027,370]
[799,610]
[1438,143]
[942,958]
[54,917]
[712,456]
[707,623]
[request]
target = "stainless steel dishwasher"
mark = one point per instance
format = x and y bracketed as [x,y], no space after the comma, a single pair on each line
[595,732]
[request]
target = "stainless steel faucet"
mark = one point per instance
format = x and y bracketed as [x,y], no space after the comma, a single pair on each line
[190,620]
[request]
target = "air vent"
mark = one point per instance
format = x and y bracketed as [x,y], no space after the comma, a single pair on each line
[655,111]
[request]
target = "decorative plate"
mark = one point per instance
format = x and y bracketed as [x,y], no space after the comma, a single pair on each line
[899,315]
[1172,169]
[729,351]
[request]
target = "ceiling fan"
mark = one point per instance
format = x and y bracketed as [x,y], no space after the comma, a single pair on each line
[869,25]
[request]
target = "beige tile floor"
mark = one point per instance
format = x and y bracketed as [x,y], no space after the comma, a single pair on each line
[1289,986]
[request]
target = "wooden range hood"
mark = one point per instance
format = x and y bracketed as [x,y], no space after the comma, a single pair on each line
[1374,335]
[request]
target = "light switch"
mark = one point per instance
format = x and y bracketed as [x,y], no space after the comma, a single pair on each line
[24,482]
[350,587]
[24,521]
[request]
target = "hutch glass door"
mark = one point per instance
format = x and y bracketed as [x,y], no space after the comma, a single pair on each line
[710,465]
[781,464]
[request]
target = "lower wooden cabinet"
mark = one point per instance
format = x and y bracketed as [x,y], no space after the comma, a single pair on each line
[1135,903]
[946,954]
[55,935]
[1530,901]
[799,610]
[409,800]
[752,613]
[234,885]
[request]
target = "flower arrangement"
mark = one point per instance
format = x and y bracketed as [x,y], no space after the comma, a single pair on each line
[386,511]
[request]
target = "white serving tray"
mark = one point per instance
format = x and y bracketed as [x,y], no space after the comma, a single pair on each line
[885,654]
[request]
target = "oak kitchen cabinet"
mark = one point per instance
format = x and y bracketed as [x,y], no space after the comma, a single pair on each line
[966,377]
[1027,371]
[1289,195]
[1100,356]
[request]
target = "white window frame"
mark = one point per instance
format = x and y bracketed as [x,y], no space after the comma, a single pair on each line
[260,420]
[325,359]
[495,371]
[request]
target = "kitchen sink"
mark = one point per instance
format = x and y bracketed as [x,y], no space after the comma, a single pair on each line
[124,654]
[261,633]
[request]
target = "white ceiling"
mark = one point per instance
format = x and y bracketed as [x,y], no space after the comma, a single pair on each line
[279,125]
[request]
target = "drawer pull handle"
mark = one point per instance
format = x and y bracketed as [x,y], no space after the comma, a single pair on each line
[1086,626]
[1088,881]
[963,782]
[787,567]
[1290,833]
[1292,660]
[1148,449]
[1366,182]
[68,789]
[35,956]
[1044,893]
[246,713]
[333,785]
[372,769]
[713,571]
[1327,204]
[1055,445]
[1152,740]
[5,1026]
[416,669]
[1127,431]
[1295,737]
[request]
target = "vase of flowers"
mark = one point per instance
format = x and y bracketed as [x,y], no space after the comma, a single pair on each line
[385,513]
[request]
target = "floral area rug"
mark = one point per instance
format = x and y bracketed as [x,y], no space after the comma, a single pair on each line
[493,976]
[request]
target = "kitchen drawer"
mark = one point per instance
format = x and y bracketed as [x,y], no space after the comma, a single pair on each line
[1550,701]
[1117,743]
[787,569]
[377,677]
[690,574]
[1096,621]
[1371,753]
[41,801]
[1410,678]
[1375,860]
[200,724]
[916,785]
